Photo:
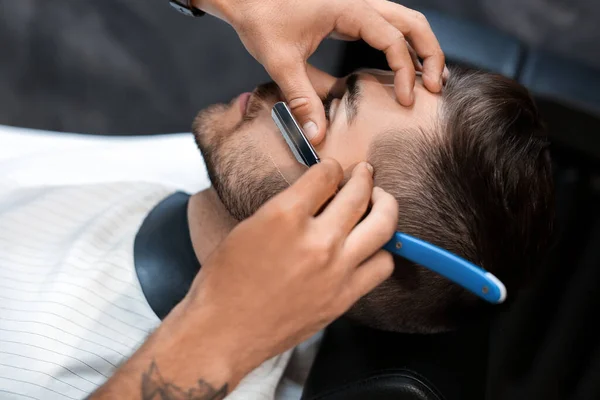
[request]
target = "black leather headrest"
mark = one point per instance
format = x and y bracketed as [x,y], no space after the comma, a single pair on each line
[464,42]
[356,362]
[553,77]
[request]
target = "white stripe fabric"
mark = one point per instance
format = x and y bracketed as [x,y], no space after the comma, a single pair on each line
[71,308]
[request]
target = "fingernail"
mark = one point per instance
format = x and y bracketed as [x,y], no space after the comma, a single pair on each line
[377,189]
[369,167]
[441,81]
[446,73]
[310,129]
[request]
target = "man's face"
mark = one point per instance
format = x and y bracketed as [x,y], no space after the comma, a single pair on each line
[248,160]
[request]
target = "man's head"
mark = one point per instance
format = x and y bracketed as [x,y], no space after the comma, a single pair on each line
[470,169]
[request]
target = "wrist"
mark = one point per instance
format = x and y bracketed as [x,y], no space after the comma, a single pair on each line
[222,9]
[203,333]
[181,354]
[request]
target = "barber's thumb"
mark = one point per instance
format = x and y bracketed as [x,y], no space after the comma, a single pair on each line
[305,104]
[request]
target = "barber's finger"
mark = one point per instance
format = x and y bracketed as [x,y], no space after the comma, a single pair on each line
[350,204]
[305,104]
[446,74]
[374,231]
[371,274]
[313,189]
[415,58]
[363,21]
[416,28]
[324,83]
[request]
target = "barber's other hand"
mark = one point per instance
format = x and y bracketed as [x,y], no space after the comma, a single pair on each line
[282,35]
[296,265]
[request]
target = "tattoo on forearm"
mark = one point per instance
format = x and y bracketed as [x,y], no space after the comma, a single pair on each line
[154,387]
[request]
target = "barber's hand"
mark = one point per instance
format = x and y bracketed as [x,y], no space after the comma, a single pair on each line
[296,265]
[282,35]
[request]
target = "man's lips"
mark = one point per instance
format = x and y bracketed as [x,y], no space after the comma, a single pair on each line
[243,100]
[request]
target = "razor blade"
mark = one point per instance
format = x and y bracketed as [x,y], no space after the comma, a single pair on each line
[293,135]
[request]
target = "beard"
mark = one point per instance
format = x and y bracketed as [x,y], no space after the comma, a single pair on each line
[241,173]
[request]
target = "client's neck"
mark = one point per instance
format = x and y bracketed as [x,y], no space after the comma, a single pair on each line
[209,222]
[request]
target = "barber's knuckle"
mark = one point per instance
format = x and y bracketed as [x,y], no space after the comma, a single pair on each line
[439,54]
[320,256]
[283,61]
[350,19]
[398,36]
[299,101]
[396,48]
[420,17]
[391,207]
[388,216]
[385,224]
[322,179]
[365,180]
[387,199]
[326,243]
[275,68]
[331,172]
[279,61]
[285,212]
[357,205]
[387,260]
[322,248]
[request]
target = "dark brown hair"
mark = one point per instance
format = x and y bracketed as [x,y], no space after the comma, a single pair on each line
[480,185]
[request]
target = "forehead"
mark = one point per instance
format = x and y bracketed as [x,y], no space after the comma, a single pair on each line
[378,106]
[378,113]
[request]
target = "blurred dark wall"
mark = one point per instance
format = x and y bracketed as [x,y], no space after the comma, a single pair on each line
[566,27]
[124,67]
[119,66]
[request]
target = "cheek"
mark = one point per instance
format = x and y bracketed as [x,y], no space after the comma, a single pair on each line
[273,145]
[346,146]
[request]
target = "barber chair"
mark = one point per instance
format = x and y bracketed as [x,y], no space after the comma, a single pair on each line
[546,344]
[356,363]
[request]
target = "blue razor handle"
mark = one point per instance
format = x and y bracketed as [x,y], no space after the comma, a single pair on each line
[482,283]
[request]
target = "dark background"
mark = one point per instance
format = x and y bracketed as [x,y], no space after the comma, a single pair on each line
[137,67]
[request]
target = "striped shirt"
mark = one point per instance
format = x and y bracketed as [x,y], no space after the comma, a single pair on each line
[71,307]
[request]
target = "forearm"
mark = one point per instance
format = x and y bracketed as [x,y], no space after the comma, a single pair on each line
[183,359]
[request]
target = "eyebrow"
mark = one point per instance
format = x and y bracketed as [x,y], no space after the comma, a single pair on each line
[353,98]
